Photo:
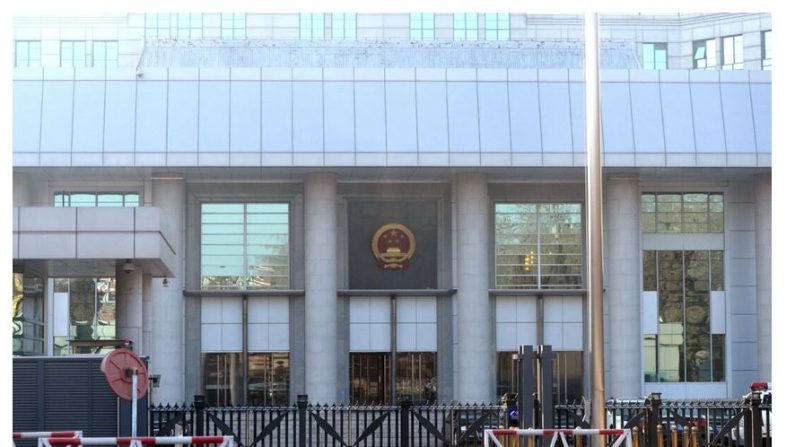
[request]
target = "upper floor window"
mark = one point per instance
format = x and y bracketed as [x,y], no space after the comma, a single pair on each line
[538,246]
[655,56]
[95,199]
[106,53]
[312,25]
[73,53]
[233,25]
[245,246]
[682,212]
[465,26]
[704,54]
[767,58]
[159,26]
[27,53]
[498,26]
[732,53]
[421,25]
[343,26]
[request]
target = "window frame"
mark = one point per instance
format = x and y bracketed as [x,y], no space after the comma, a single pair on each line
[538,283]
[767,60]
[340,25]
[497,26]
[469,31]
[73,43]
[315,26]
[706,58]
[105,60]
[246,277]
[418,26]
[27,60]
[734,65]
[655,46]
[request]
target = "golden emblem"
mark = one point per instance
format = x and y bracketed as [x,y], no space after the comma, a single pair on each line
[393,246]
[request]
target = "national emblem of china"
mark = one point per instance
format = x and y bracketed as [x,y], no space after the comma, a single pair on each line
[393,246]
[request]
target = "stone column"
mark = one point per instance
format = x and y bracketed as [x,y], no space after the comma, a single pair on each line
[146,328]
[320,230]
[764,276]
[129,304]
[624,287]
[476,348]
[167,350]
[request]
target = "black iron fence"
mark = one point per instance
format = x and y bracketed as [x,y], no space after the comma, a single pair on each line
[656,423]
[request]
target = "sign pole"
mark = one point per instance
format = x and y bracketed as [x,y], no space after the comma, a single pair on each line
[594,234]
[134,428]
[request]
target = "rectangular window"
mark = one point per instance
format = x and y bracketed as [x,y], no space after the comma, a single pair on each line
[86,310]
[73,53]
[189,25]
[682,212]
[465,26]
[233,26]
[269,378]
[27,315]
[704,54]
[767,50]
[684,350]
[343,26]
[416,376]
[371,378]
[223,378]
[732,53]
[245,246]
[160,26]
[655,56]
[312,26]
[105,53]
[498,26]
[94,199]
[422,25]
[538,246]
[27,53]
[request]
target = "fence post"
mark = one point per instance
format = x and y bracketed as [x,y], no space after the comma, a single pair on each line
[405,406]
[651,418]
[303,402]
[756,419]
[199,404]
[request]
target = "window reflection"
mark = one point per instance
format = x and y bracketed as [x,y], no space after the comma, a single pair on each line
[684,349]
[682,213]
[370,378]
[223,377]
[538,245]
[28,315]
[268,378]
[567,375]
[416,376]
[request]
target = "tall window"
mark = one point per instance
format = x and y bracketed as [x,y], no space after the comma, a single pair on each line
[73,53]
[245,246]
[682,212]
[538,246]
[233,25]
[312,26]
[422,25]
[704,54]
[27,315]
[343,26]
[767,50]
[27,53]
[732,53]
[498,26]
[655,56]
[684,348]
[87,306]
[371,377]
[76,199]
[106,53]
[465,26]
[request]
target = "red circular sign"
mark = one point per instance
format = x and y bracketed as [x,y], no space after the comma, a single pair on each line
[118,367]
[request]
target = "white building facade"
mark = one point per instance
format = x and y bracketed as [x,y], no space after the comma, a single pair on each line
[361,206]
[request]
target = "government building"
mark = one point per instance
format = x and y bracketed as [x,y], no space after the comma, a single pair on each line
[362,206]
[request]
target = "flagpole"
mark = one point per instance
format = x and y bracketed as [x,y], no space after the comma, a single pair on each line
[594,234]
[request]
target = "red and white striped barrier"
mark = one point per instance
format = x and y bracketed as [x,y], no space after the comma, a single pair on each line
[46,434]
[624,435]
[139,441]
